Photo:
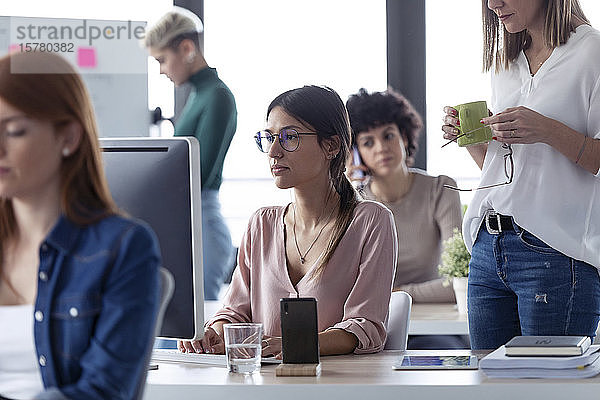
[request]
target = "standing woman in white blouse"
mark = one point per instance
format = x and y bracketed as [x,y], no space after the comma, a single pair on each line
[533,226]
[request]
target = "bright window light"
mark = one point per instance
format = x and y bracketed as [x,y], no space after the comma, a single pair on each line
[454,76]
[264,47]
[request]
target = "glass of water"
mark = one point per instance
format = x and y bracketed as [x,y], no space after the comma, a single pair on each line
[243,347]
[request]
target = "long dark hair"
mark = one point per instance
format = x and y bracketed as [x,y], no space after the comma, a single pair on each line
[322,109]
[501,47]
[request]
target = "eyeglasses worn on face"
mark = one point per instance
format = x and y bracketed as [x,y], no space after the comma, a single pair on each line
[508,172]
[289,139]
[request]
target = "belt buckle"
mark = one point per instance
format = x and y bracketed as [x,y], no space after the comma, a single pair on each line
[491,230]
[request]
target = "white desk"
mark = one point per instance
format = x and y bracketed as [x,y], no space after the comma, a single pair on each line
[437,319]
[357,377]
[444,319]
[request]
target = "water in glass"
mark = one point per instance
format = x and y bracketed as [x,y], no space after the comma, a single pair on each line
[243,357]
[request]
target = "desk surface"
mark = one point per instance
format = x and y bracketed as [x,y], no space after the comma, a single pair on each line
[356,377]
[437,319]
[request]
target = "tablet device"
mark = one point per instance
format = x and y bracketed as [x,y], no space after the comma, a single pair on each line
[435,362]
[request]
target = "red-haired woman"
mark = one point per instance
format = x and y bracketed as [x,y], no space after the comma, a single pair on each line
[78,282]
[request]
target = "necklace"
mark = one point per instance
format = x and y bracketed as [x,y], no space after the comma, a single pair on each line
[303,256]
[538,65]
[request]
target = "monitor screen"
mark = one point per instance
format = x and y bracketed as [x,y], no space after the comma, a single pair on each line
[157,180]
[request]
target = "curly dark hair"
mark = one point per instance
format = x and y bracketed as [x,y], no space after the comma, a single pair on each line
[368,111]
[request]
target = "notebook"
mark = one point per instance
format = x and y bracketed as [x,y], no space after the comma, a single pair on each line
[550,346]
[498,365]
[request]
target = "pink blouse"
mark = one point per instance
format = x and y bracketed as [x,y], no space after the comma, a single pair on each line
[353,293]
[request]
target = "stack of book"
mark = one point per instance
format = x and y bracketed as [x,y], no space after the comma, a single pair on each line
[543,357]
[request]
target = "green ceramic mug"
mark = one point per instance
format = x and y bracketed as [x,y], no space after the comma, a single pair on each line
[469,115]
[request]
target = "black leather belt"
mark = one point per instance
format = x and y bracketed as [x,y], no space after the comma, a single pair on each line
[496,223]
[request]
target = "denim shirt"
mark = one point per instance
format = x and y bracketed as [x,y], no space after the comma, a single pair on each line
[97,299]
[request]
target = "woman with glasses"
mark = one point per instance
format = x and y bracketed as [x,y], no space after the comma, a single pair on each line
[79,284]
[210,116]
[534,227]
[326,244]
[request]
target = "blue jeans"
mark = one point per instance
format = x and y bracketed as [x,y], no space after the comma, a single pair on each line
[217,250]
[518,285]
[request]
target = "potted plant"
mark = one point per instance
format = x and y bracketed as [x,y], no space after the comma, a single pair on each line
[455,267]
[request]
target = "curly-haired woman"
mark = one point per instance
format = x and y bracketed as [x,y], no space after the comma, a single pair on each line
[385,133]
[386,130]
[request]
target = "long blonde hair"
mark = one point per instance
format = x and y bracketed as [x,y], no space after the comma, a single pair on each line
[58,95]
[501,47]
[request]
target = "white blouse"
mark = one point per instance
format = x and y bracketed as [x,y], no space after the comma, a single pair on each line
[550,196]
[20,377]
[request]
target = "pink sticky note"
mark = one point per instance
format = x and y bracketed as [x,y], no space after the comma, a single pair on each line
[86,57]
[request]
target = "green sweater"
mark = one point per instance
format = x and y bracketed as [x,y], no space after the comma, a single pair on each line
[209,115]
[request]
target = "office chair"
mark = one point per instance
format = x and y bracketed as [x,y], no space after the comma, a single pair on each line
[398,320]
[167,286]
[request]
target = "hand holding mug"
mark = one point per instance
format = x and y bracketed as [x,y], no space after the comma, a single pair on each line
[451,123]
[463,124]
[521,125]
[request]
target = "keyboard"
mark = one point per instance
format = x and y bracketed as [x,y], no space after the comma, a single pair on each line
[219,360]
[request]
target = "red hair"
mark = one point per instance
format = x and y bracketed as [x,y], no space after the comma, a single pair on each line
[58,95]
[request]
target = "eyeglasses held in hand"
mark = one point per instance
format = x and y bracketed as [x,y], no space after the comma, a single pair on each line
[454,139]
[508,172]
[289,139]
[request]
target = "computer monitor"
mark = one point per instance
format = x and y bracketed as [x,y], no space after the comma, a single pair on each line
[157,180]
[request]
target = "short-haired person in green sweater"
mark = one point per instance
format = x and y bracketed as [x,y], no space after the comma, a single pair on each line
[385,132]
[210,116]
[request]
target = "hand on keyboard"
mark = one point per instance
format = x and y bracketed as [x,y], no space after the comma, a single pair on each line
[211,343]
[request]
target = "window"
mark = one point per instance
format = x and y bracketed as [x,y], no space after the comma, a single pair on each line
[454,76]
[135,10]
[268,46]
[264,47]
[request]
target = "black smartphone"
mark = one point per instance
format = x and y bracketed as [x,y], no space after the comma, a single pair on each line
[299,332]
